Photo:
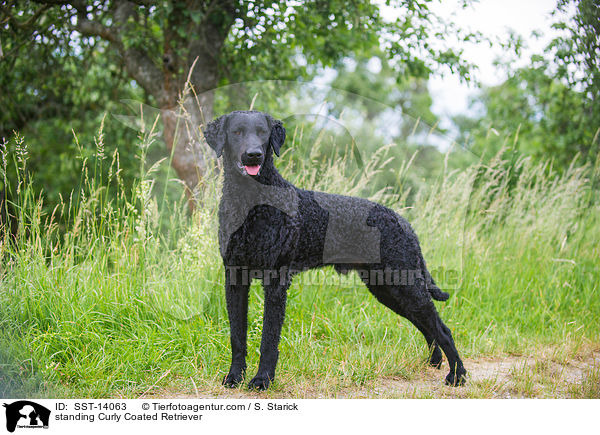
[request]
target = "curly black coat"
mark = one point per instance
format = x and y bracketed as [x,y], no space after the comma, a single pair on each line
[271,230]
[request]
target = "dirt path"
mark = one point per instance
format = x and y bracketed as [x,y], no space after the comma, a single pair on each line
[506,377]
[542,376]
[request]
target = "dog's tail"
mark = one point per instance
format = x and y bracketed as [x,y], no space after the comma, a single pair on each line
[435,292]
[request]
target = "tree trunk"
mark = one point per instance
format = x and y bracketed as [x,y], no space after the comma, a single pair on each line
[188,101]
[182,122]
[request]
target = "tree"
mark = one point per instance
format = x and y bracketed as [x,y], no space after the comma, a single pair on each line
[540,115]
[376,98]
[577,52]
[550,107]
[225,41]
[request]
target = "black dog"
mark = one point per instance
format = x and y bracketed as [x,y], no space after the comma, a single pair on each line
[271,230]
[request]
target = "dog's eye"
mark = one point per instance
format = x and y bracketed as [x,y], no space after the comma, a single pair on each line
[238,132]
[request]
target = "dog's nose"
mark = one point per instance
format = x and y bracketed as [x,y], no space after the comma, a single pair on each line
[254,154]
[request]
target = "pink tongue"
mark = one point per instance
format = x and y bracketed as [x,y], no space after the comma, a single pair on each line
[252,170]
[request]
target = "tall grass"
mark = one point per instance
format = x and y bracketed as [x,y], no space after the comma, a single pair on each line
[119,293]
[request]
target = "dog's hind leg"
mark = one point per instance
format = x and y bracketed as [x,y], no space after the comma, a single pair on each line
[427,316]
[384,295]
[236,294]
[274,314]
[417,307]
[435,353]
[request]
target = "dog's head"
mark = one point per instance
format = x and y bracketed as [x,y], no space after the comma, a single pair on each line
[245,139]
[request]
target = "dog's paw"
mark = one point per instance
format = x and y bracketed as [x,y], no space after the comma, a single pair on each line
[260,382]
[233,378]
[457,379]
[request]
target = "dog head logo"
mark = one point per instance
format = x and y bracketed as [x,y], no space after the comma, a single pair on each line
[26,414]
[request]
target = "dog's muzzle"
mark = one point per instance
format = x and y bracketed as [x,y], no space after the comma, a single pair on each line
[252,161]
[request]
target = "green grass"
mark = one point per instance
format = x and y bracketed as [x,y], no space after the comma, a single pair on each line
[120,294]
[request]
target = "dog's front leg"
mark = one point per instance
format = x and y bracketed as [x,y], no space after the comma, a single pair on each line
[275,299]
[236,293]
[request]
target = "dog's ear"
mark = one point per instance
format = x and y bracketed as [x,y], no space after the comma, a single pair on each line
[215,136]
[277,137]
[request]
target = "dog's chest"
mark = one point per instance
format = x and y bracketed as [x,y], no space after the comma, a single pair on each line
[256,235]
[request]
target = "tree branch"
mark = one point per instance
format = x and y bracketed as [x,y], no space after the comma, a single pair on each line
[28,22]
[145,72]
[93,28]
[137,63]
